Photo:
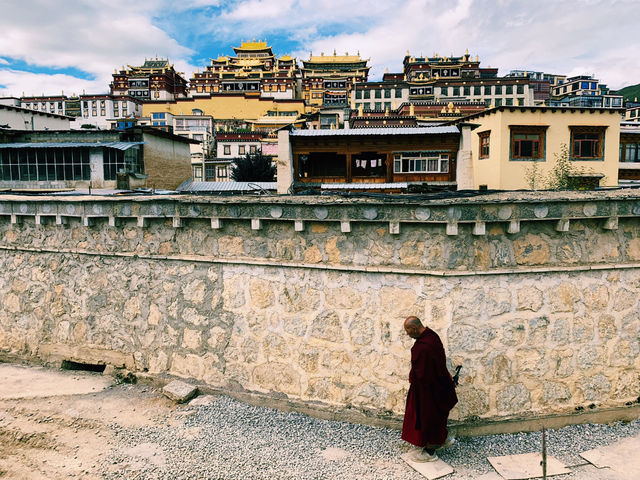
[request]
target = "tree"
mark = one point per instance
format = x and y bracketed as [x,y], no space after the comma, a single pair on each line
[253,167]
[564,172]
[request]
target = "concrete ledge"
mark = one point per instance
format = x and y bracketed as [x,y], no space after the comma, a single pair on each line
[56,353]
[471,428]
[508,207]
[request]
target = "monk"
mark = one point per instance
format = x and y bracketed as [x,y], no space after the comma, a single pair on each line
[431,394]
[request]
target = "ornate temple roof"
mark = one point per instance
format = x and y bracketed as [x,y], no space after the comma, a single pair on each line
[253,46]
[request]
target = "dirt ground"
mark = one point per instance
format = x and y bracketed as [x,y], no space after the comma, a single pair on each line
[58,425]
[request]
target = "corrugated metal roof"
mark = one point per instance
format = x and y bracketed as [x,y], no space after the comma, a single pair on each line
[190,186]
[375,131]
[117,145]
[363,186]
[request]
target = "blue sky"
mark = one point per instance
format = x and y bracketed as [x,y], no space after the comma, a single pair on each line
[49,46]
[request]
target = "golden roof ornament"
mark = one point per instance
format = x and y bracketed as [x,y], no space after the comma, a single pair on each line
[450,106]
[477,58]
[412,110]
[360,110]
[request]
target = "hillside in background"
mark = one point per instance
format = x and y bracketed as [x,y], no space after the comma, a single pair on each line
[630,93]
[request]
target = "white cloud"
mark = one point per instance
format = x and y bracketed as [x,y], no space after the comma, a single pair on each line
[16,83]
[573,36]
[91,36]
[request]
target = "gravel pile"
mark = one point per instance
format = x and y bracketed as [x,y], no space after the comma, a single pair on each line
[232,440]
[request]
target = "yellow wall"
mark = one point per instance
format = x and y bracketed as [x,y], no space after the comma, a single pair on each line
[498,172]
[224,107]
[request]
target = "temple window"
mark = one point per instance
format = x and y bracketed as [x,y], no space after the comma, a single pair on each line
[527,143]
[587,143]
[484,144]
[420,162]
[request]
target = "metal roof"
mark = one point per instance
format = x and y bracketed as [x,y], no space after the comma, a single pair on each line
[190,186]
[374,131]
[116,145]
[363,186]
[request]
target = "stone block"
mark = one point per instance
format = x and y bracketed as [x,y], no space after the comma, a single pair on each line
[530,298]
[343,298]
[583,329]
[497,368]
[633,249]
[261,293]
[278,377]
[513,332]
[596,298]
[312,255]
[467,303]
[624,299]
[327,326]
[564,297]
[179,392]
[531,250]
[560,331]
[538,330]
[469,338]
[607,328]
[513,398]
[595,388]
[498,301]
[191,339]
[194,291]
[555,393]
[472,402]
[562,362]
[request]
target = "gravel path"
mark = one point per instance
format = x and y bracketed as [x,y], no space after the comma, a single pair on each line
[228,439]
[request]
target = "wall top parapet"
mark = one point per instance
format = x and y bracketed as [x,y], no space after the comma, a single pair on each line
[510,207]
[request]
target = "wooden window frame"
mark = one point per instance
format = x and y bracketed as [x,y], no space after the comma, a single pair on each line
[576,153]
[482,138]
[539,130]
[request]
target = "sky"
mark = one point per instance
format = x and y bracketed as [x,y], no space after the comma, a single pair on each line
[51,46]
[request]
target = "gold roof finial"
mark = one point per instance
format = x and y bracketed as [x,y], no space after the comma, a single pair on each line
[334,52]
[360,110]
[466,52]
[412,110]
[450,106]
[386,70]
[477,58]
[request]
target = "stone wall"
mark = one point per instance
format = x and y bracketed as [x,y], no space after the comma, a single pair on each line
[543,320]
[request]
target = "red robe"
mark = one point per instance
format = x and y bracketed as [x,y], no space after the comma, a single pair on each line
[431,394]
